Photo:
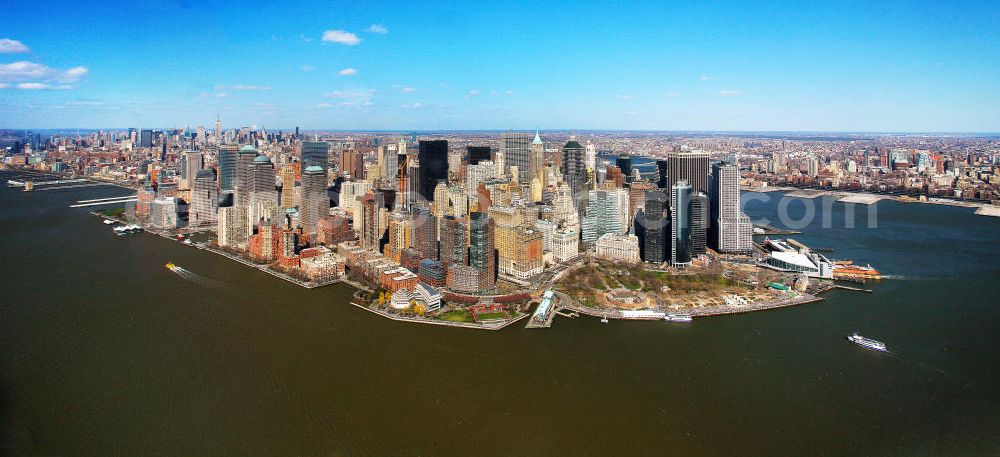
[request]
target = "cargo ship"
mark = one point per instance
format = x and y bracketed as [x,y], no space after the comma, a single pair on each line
[855,272]
[867,342]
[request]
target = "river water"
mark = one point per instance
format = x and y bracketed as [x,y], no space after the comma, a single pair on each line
[105,352]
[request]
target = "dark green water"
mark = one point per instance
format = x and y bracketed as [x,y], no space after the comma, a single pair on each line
[104,352]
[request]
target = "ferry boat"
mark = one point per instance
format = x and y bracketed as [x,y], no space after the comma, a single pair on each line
[867,342]
[127,229]
[677,317]
[170,266]
[850,271]
[604,320]
[108,222]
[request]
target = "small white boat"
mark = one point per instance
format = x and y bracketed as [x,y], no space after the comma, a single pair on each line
[604,320]
[108,222]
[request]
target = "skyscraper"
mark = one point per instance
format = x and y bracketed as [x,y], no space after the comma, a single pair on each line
[453,237]
[662,169]
[315,203]
[624,162]
[478,154]
[193,163]
[603,216]
[204,199]
[244,161]
[730,231]
[262,186]
[654,226]
[689,166]
[315,153]
[482,248]
[433,158]
[574,167]
[699,223]
[227,167]
[680,224]
[516,149]
[537,161]
[288,197]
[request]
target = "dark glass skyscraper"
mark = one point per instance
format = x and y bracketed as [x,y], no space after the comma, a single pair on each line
[315,153]
[656,226]
[227,167]
[624,162]
[478,154]
[574,166]
[680,224]
[699,223]
[688,166]
[433,158]
[662,167]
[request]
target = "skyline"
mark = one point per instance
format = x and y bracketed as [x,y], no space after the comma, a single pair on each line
[386,66]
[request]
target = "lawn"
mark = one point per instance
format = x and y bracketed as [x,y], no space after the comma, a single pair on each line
[113,212]
[491,316]
[458,315]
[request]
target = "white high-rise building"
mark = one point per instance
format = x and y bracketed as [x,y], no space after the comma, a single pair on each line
[591,155]
[733,231]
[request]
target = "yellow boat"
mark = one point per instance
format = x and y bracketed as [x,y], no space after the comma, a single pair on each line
[170,266]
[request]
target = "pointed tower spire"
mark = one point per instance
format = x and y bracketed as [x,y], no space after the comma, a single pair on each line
[538,139]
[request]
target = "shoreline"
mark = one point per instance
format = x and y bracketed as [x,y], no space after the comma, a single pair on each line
[701,312]
[869,198]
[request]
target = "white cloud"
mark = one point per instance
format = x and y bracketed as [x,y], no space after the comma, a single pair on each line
[243,87]
[305,39]
[509,92]
[362,97]
[84,103]
[214,94]
[325,105]
[308,68]
[473,93]
[30,71]
[729,93]
[340,36]
[377,28]
[625,96]
[347,72]
[706,78]
[4,85]
[9,46]
[42,86]
[416,105]
[407,89]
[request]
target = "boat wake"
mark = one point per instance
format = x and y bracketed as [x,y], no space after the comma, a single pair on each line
[195,277]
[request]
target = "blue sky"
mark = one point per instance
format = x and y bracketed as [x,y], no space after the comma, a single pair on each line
[830,66]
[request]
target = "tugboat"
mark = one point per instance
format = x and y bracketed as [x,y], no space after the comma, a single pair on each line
[867,342]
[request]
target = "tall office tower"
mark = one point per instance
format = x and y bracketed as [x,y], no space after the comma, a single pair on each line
[425,233]
[193,163]
[680,224]
[662,169]
[433,158]
[262,188]
[453,237]
[227,167]
[244,161]
[389,160]
[537,159]
[204,199]
[636,199]
[482,249]
[199,135]
[574,166]
[315,203]
[478,154]
[145,138]
[478,174]
[516,149]
[315,153]
[564,208]
[218,129]
[603,216]
[699,223]
[372,206]
[591,155]
[624,162]
[688,166]
[654,226]
[730,231]
[288,197]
